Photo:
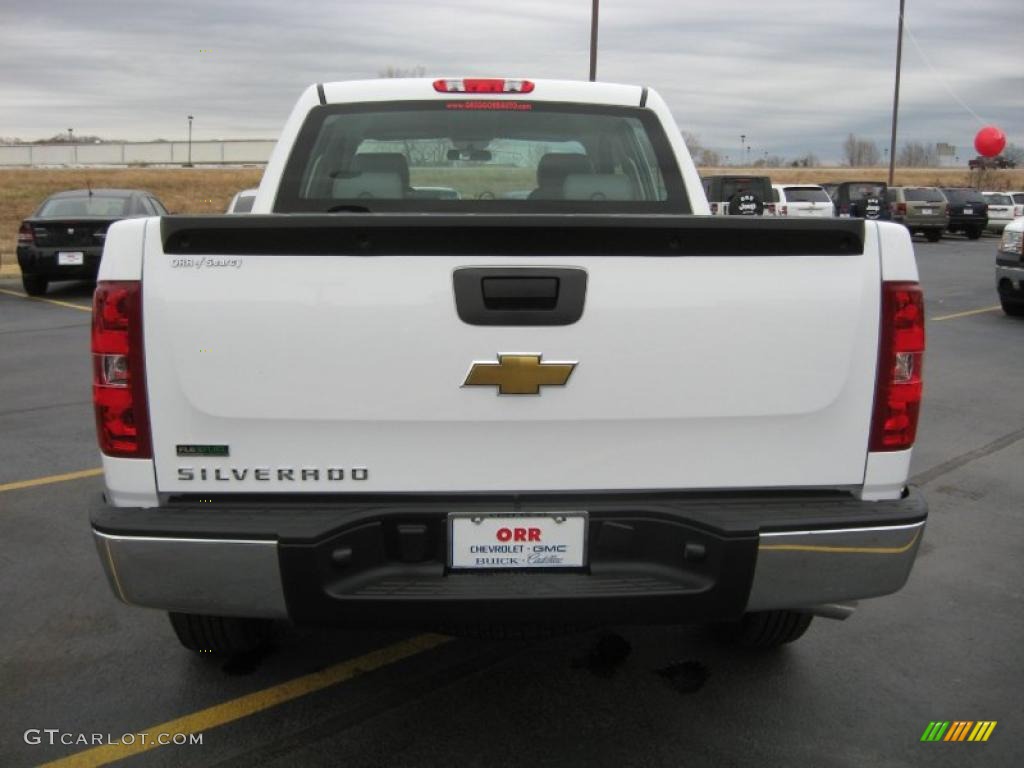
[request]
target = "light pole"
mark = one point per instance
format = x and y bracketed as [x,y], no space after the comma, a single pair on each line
[69,136]
[189,163]
[896,97]
[593,41]
[743,143]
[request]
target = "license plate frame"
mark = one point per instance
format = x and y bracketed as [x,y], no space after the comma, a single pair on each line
[518,554]
[70,258]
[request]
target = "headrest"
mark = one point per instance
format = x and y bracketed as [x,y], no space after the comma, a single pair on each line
[598,186]
[554,167]
[384,186]
[383,162]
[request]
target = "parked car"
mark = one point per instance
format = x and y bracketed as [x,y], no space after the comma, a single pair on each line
[63,239]
[1010,269]
[802,200]
[378,454]
[861,200]
[739,195]
[968,211]
[242,201]
[1018,203]
[920,209]
[1000,211]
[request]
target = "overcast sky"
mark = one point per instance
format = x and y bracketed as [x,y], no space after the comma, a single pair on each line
[793,75]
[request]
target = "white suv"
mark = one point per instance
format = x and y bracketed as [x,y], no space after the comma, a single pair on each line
[802,200]
[1001,211]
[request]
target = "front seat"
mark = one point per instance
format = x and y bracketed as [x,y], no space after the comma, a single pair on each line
[552,170]
[384,162]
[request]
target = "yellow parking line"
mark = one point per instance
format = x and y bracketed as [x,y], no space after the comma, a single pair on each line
[966,314]
[51,479]
[68,304]
[250,704]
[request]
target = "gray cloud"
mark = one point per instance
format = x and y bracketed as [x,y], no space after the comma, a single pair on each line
[793,76]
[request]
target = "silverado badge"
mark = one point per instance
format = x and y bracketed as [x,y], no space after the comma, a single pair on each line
[518,374]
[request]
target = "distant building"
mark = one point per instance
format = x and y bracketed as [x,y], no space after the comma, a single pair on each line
[947,155]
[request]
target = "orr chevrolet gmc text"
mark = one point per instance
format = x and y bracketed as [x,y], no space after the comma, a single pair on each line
[481,356]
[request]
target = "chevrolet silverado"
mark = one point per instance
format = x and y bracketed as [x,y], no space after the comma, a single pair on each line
[480,359]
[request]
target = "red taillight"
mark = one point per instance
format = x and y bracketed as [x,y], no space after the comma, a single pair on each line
[769,209]
[844,209]
[118,371]
[26,235]
[898,382]
[783,210]
[714,207]
[901,209]
[949,209]
[482,85]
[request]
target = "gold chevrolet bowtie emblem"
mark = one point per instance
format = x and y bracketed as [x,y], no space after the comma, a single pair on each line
[518,374]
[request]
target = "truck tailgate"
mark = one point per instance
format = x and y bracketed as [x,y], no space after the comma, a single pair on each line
[325,354]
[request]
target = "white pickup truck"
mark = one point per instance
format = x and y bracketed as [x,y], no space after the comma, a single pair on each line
[479,359]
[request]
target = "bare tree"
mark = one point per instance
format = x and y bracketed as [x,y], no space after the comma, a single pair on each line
[702,156]
[860,153]
[810,160]
[914,154]
[1015,154]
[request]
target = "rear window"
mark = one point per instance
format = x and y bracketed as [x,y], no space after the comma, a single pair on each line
[923,195]
[963,196]
[807,195]
[1018,197]
[865,190]
[481,156]
[95,205]
[724,188]
[996,199]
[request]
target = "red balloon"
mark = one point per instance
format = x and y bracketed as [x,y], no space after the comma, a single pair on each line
[989,141]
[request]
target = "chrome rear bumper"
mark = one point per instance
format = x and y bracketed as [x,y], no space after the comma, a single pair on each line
[807,568]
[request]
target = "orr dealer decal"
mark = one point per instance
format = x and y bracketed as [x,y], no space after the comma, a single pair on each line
[540,540]
[531,552]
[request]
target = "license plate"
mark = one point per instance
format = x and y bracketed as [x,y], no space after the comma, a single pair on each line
[70,258]
[968,211]
[927,211]
[505,542]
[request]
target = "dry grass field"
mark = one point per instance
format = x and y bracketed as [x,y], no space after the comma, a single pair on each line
[209,190]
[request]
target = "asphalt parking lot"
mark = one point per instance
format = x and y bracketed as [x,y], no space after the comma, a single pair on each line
[859,692]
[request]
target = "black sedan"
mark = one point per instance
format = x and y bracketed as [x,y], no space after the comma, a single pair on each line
[63,239]
[968,211]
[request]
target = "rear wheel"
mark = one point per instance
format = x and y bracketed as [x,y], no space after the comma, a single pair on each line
[1012,308]
[763,630]
[222,635]
[973,233]
[933,235]
[34,285]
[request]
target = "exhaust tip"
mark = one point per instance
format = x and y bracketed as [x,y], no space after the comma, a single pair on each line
[838,611]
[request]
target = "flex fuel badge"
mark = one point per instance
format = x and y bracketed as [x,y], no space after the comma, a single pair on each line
[203,450]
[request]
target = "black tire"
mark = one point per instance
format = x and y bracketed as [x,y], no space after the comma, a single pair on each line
[34,285]
[222,635]
[763,630]
[973,233]
[1012,308]
[933,235]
